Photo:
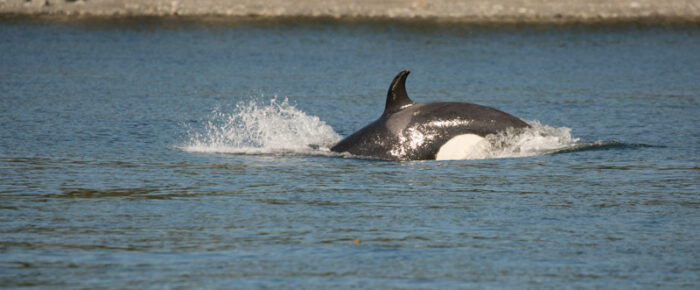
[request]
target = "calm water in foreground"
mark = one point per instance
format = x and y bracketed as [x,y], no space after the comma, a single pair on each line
[142,154]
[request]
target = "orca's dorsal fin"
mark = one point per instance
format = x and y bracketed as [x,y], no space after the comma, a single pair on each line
[397,97]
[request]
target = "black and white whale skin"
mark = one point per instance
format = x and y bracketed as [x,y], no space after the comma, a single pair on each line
[426,131]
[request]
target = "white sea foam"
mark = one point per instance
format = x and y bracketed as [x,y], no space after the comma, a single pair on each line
[255,127]
[539,139]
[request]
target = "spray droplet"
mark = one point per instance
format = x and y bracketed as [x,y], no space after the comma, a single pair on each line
[254,127]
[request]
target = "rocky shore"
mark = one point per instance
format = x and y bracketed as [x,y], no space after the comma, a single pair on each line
[460,10]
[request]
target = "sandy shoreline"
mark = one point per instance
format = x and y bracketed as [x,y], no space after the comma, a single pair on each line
[461,10]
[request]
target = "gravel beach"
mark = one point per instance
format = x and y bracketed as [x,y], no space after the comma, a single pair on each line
[461,10]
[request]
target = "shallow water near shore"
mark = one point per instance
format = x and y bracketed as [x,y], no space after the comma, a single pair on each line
[192,156]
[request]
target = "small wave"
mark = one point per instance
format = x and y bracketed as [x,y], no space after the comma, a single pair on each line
[539,139]
[255,127]
[602,145]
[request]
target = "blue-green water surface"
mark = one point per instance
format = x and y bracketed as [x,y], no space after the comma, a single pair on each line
[99,190]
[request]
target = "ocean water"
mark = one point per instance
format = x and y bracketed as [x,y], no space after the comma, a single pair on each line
[176,154]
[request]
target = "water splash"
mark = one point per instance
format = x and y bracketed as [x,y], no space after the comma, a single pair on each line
[544,140]
[539,139]
[254,127]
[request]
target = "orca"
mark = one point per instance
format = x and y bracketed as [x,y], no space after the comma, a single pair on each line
[426,131]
